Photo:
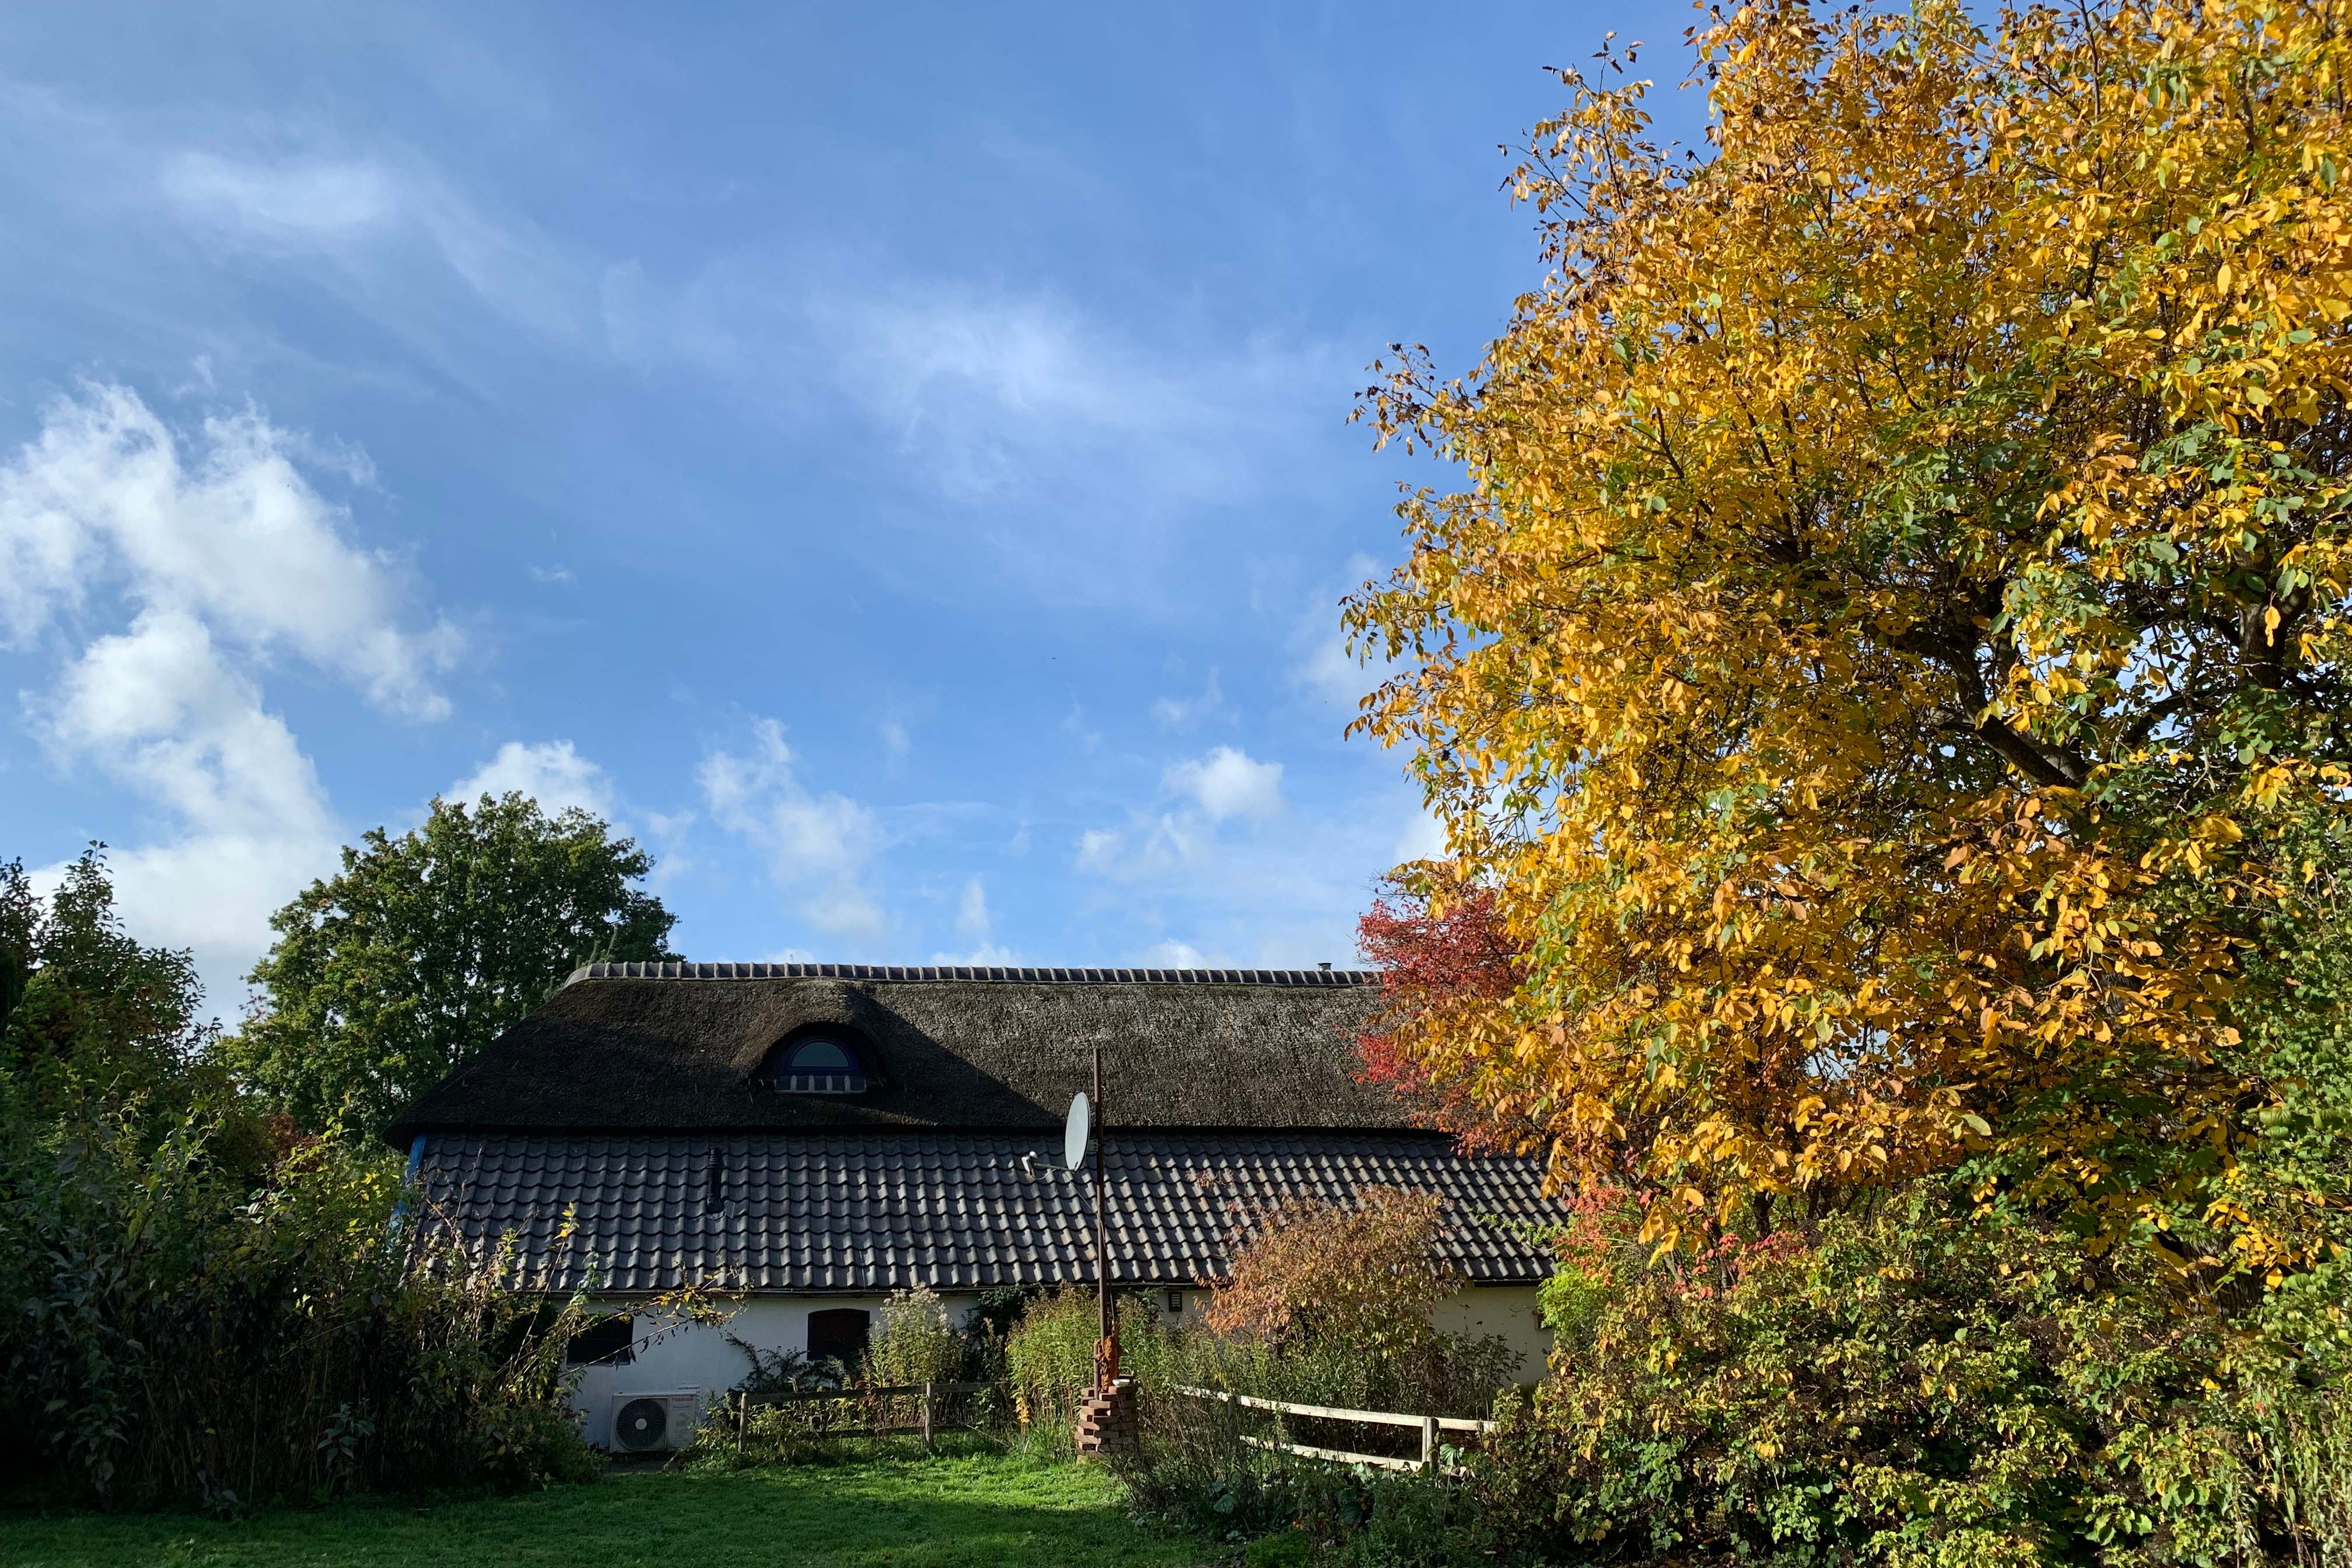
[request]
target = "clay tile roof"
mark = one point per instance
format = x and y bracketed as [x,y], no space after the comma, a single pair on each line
[870,1212]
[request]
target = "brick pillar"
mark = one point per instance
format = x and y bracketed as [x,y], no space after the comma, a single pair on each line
[1107,1426]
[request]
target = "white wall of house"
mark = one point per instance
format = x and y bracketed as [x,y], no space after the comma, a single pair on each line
[1508,1310]
[673,1357]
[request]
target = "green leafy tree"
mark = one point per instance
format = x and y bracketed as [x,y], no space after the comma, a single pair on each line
[427,946]
[84,1004]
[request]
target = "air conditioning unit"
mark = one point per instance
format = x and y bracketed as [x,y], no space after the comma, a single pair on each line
[653,1422]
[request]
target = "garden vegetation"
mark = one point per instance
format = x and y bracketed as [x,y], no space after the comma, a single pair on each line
[214,1292]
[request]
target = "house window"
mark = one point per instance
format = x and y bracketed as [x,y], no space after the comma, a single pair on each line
[817,1065]
[609,1341]
[1176,1304]
[837,1333]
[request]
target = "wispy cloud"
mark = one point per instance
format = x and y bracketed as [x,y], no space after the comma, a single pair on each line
[1108,445]
[309,201]
[1218,863]
[818,847]
[974,924]
[1322,662]
[388,219]
[1184,713]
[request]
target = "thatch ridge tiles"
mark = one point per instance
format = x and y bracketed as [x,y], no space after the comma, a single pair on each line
[676,968]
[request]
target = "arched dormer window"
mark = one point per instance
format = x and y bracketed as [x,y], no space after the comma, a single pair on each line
[816,1064]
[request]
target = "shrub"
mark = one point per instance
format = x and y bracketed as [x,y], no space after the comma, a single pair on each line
[917,1344]
[1326,1306]
[179,1338]
[1925,1386]
[1050,1355]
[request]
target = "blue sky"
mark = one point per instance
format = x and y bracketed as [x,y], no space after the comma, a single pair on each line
[890,459]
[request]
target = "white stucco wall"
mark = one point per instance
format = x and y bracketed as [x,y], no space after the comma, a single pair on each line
[683,1357]
[691,1356]
[1508,1310]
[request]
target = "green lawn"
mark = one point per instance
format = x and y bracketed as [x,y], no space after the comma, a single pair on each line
[920,1514]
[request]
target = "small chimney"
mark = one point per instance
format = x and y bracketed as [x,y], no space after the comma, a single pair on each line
[1325,966]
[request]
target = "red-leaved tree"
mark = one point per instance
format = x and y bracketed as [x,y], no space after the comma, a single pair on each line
[1443,955]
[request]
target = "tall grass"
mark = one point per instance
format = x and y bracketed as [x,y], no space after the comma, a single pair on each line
[178,1338]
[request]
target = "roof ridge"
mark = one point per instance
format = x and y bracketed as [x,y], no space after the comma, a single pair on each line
[676,969]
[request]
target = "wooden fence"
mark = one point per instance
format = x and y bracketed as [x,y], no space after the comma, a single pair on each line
[1430,1426]
[873,1404]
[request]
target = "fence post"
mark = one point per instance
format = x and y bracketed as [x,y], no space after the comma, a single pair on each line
[1429,1442]
[926,1415]
[742,1417]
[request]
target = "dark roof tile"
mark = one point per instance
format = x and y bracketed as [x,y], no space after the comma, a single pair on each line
[952,1223]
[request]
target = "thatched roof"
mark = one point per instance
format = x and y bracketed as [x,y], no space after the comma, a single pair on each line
[679,1046]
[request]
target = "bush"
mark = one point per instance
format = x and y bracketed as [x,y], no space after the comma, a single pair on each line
[1049,1357]
[1326,1306]
[181,1338]
[1924,1385]
[917,1343]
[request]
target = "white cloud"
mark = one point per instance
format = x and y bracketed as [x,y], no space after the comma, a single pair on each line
[1184,713]
[986,955]
[224,528]
[553,772]
[974,925]
[156,708]
[1227,784]
[895,739]
[218,557]
[971,911]
[552,575]
[1242,878]
[817,846]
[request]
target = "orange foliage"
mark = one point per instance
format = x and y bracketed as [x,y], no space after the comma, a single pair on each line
[1900,610]
[1368,1273]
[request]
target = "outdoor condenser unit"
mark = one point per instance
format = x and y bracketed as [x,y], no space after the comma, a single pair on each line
[651,1422]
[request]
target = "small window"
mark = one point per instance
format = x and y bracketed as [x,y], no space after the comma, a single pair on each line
[610,1341]
[1176,1304]
[818,1065]
[837,1333]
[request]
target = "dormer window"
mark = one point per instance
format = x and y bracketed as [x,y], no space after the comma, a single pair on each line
[817,1065]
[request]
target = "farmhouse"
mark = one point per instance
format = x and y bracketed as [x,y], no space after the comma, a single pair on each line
[811,1136]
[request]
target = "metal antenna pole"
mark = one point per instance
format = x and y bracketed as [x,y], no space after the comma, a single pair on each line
[1106,1346]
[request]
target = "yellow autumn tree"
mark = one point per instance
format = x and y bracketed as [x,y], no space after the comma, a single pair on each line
[1886,663]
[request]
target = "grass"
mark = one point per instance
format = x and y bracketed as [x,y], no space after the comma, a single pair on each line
[958,1512]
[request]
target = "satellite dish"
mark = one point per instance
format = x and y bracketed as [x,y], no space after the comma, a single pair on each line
[1073,1132]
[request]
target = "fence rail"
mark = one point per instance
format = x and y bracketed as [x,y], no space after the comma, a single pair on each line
[928,1394]
[1429,1426]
